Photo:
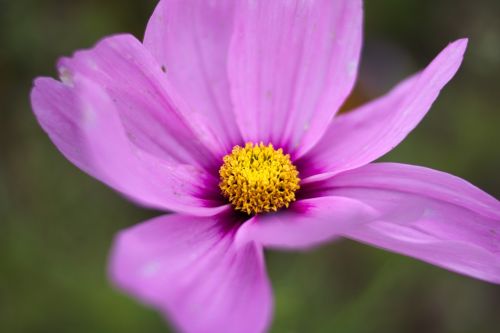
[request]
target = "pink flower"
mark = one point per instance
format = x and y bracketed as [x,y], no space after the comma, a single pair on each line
[154,120]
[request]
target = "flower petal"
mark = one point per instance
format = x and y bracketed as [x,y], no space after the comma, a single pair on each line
[191,40]
[83,123]
[155,117]
[190,269]
[307,223]
[363,135]
[428,215]
[291,66]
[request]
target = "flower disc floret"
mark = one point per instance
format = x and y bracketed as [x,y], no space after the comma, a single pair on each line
[258,178]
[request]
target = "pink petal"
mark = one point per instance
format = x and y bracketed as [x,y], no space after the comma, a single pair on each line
[191,40]
[306,223]
[83,123]
[363,135]
[155,118]
[428,215]
[190,269]
[291,66]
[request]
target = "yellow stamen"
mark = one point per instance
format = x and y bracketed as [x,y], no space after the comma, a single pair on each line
[258,178]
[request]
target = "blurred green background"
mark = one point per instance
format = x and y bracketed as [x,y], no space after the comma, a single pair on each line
[56,223]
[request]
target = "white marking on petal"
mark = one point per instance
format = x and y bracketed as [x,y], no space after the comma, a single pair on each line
[406,112]
[352,67]
[88,115]
[150,269]
[92,64]
[66,77]
[307,125]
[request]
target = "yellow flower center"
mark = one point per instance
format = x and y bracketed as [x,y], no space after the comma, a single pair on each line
[258,178]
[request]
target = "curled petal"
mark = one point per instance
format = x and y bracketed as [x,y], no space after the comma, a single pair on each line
[307,223]
[154,115]
[84,124]
[428,215]
[363,135]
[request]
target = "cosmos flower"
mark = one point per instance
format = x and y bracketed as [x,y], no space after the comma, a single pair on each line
[225,115]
